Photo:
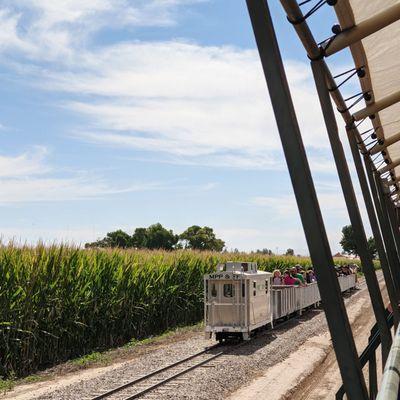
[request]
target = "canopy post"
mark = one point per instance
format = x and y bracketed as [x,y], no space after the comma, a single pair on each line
[310,213]
[393,222]
[391,249]
[386,264]
[352,208]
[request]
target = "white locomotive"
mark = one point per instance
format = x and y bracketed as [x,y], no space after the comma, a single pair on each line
[239,299]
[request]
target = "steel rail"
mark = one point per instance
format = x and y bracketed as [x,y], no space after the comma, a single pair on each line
[156,372]
[277,326]
[177,375]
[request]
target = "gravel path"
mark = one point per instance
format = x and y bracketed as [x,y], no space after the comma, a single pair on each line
[213,381]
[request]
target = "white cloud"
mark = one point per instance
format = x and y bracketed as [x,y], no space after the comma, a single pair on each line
[29,178]
[285,206]
[63,189]
[194,104]
[55,30]
[25,164]
[201,105]
[49,235]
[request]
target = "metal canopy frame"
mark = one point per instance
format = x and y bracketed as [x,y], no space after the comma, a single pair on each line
[315,52]
[306,198]
[383,216]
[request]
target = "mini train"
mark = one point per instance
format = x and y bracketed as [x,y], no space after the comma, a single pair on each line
[239,299]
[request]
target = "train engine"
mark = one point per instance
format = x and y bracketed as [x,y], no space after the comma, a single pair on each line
[236,301]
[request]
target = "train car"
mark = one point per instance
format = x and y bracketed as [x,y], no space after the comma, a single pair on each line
[239,299]
[236,300]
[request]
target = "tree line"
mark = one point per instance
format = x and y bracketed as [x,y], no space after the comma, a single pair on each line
[157,237]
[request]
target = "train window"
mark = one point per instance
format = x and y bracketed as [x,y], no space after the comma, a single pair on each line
[213,291]
[229,290]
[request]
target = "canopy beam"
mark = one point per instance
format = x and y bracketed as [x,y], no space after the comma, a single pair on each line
[386,143]
[303,31]
[390,166]
[307,200]
[363,29]
[393,181]
[377,106]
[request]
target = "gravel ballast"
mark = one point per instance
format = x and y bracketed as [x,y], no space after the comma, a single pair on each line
[216,380]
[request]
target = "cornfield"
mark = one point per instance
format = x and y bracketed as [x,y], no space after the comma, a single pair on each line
[61,302]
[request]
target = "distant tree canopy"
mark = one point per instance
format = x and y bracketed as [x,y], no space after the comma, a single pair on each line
[158,237]
[264,251]
[348,242]
[201,238]
[289,252]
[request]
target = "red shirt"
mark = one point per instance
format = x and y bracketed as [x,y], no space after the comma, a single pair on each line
[289,280]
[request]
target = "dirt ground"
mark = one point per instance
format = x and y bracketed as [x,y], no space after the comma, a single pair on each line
[311,372]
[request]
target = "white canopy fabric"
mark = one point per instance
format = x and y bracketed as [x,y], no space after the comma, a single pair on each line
[380,54]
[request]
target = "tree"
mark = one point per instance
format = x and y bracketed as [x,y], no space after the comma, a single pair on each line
[265,251]
[117,238]
[157,237]
[348,242]
[139,238]
[289,252]
[201,238]
[372,247]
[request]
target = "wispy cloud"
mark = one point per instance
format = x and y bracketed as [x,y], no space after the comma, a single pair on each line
[193,104]
[25,164]
[54,30]
[201,105]
[28,177]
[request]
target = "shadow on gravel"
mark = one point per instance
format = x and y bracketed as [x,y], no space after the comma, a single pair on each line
[266,336]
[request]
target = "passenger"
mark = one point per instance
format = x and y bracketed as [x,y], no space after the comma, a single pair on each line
[297,275]
[277,278]
[310,277]
[289,280]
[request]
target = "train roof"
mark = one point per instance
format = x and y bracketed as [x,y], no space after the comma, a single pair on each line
[240,267]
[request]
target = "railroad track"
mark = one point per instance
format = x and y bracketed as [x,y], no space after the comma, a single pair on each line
[145,384]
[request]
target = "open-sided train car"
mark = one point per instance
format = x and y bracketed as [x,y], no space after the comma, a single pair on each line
[239,299]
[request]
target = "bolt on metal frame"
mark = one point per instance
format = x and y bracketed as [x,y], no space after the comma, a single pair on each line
[352,207]
[386,245]
[314,53]
[349,36]
[307,201]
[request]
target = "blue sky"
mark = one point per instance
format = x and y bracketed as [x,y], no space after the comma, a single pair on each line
[123,113]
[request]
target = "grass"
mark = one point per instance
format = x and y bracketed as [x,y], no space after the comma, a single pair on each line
[90,359]
[6,384]
[60,302]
